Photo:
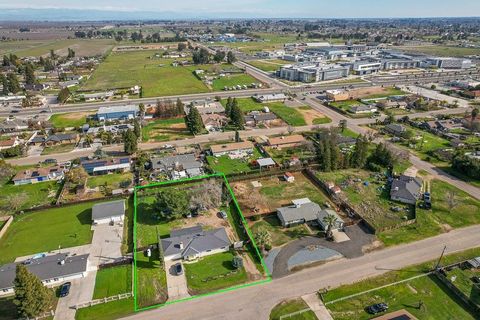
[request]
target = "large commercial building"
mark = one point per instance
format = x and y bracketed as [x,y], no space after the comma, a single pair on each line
[313,72]
[450,63]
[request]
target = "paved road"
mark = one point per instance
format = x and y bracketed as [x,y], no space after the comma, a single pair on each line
[256,302]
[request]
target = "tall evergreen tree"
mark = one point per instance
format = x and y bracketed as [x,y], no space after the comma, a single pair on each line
[180,107]
[63,95]
[29,74]
[360,152]
[4,82]
[228,107]
[194,121]
[32,298]
[13,85]
[231,57]
[237,116]
[327,158]
[137,129]
[130,142]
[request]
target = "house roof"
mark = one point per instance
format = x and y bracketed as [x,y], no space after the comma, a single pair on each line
[8,143]
[265,162]
[406,187]
[45,268]
[194,241]
[182,161]
[307,211]
[396,128]
[362,107]
[114,109]
[296,138]
[37,172]
[231,146]
[61,137]
[108,209]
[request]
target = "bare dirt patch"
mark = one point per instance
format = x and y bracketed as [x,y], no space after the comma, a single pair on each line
[310,115]
[75,115]
[210,219]
[178,126]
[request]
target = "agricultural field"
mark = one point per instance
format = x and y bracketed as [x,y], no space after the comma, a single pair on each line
[442,51]
[165,130]
[156,76]
[443,217]
[28,48]
[69,120]
[46,230]
[29,195]
[290,306]
[369,196]
[274,193]
[228,166]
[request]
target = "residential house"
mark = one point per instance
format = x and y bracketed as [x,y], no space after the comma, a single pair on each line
[193,243]
[256,118]
[117,113]
[406,189]
[205,107]
[104,166]
[69,83]
[36,86]
[13,125]
[178,166]
[305,211]
[292,141]
[289,177]
[233,150]
[9,143]
[214,121]
[108,212]
[363,108]
[30,176]
[395,129]
[11,100]
[98,96]
[61,138]
[52,270]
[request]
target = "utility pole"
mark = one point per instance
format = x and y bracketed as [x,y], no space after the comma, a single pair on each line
[440,259]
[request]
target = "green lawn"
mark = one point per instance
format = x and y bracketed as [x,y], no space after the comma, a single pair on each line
[439,304]
[279,235]
[32,195]
[346,108]
[107,311]
[267,65]
[165,130]
[440,218]
[291,116]
[285,154]
[67,120]
[60,148]
[290,306]
[151,280]
[463,281]
[46,230]
[156,76]
[211,266]
[387,92]
[8,310]
[114,181]
[113,281]
[228,166]
[233,80]
[323,120]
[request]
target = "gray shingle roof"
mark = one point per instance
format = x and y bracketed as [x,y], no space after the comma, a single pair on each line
[183,161]
[264,162]
[194,241]
[406,188]
[108,209]
[46,268]
[307,211]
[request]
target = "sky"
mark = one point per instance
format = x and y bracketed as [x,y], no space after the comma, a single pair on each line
[269,8]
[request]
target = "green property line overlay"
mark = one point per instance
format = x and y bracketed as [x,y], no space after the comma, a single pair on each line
[244,222]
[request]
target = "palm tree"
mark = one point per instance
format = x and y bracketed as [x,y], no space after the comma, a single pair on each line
[330,220]
[89,139]
[263,239]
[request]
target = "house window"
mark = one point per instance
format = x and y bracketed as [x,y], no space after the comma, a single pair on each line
[209,250]
[5,290]
[55,279]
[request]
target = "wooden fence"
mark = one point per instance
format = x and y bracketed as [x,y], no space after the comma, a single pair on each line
[47,314]
[4,228]
[103,300]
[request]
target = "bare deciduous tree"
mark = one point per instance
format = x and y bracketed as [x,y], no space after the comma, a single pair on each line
[450,198]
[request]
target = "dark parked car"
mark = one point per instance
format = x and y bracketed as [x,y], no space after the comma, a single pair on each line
[475,279]
[65,289]
[178,269]
[377,308]
[50,161]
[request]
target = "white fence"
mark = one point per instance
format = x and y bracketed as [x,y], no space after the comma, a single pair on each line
[103,300]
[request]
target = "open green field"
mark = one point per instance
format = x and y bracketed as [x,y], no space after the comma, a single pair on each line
[233,80]
[371,199]
[113,281]
[31,195]
[387,92]
[279,235]
[290,115]
[59,148]
[442,51]
[114,181]
[228,166]
[286,307]
[107,311]
[82,47]
[440,218]
[268,65]
[151,280]
[275,193]
[197,273]
[165,130]
[156,76]
[67,120]
[47,230]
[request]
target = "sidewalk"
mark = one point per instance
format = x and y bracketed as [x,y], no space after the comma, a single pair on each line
[316,305]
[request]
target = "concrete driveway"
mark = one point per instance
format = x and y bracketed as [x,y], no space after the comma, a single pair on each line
[176,284]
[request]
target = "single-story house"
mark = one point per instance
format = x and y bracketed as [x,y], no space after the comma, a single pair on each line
[178,166]
[104,166]
[106,212]
[205,107]
[306,211]
[295,140]
[265,163]
[289,177]
[29,176]
[97,96]
[118,113]
[255,118]
[363,109]
[115,128]
[61,138]
[51,270]
[269,97]
[13,125]
[395,129]
[10,143]
[406,189]
[233,150]
[214,121]
[193,243]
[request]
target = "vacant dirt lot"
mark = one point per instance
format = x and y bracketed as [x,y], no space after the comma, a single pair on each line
[310,115]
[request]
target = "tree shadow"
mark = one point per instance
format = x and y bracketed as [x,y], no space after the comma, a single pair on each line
[85,217]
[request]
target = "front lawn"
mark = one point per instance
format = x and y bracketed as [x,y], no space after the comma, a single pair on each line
[107,311]
[113,281]
[201,274]
[68,120]
[60,148]
[32,195]
[47,230]
[279,235]
[386,92]
[114,181]
[151,280]
[287,307]
[233,80]
[165,130]
[440,218]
